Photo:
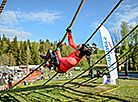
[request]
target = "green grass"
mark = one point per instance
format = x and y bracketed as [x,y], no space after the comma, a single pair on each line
[84,93]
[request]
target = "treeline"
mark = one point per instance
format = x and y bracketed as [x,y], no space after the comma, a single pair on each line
[15,53]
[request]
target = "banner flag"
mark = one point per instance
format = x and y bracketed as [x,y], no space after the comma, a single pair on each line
[108,45]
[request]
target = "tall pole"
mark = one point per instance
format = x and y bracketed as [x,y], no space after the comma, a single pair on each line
[92,64]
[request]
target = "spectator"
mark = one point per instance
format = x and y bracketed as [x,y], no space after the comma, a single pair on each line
[66,75]
[31,83]
[105,79]
[25,84]
[10,78]
[70,74]
[57,76]
[98,72]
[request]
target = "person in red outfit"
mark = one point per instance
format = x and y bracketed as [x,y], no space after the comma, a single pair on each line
[71,60]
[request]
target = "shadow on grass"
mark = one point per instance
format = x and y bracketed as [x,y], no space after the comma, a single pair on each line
[110,98]
[22,97]
[48,96]
[9,98]
[5,99]
[77,85]
[77,91]
[12,97]
[30,88]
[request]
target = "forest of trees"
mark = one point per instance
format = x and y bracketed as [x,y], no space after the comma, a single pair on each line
[15,53]
[127,44]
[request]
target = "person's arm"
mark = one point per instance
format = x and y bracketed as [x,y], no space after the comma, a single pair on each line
[70,39]
[60,58]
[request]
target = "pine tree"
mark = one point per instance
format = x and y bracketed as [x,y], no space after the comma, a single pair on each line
[4,59]
[47,45]
[41,49]
[35,53]
[24,53]
[4,38]
[12,61]
[0,38]
[28,52]
[134,40]
[3,47]
[19,58]
[124,31]
[14,49]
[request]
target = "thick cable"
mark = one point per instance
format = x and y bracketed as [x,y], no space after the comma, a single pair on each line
[43,84]
[119,64]
[73,20]
[102,57]
[104,20]
[2,5]
[99,59]
[124,61]
[108,67]
[112,64]
[61,42]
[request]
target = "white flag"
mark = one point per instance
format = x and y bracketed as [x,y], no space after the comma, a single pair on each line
[108,45]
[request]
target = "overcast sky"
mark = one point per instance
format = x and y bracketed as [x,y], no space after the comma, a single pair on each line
[48,19]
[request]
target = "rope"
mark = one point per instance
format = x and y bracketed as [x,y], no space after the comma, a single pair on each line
[73,20]
[121,63]
[122,57]
[24,78]
[109,66]
[46,60]
[89,39]
[104,20]
[97,30]
[99,59]
[129,87]
[2,5]
[125,60]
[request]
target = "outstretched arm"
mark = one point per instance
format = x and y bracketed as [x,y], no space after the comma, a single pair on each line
[70,39]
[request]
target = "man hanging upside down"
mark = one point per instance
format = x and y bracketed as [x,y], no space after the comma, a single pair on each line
[66,63]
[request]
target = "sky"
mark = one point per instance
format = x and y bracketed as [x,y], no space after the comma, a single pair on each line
[48,19]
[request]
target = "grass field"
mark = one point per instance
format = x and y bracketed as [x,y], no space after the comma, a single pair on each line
[125,91]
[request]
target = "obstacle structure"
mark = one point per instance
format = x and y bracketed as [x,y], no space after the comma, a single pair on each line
[63,85]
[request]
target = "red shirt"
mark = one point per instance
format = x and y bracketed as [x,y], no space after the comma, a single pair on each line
[70,60]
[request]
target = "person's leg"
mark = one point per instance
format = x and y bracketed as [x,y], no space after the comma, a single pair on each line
[53,60]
